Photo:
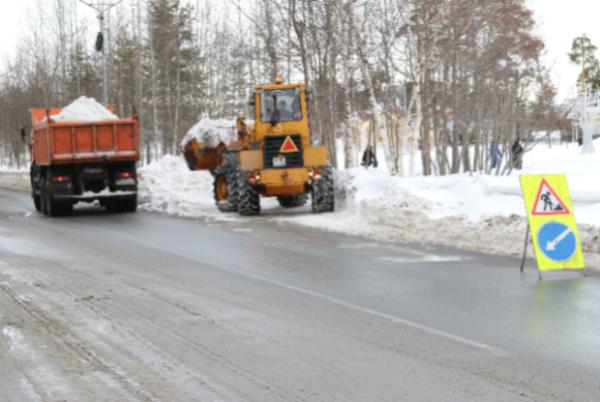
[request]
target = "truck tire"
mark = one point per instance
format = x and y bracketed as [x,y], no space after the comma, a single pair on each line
[225,188]
[37,202]
[128,204]
[323,198]
[122,204]
[293,201]
[37,199]
[248,196]
[43,198]
[52,207]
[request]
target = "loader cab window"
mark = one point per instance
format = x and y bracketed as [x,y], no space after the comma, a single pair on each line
[280,105]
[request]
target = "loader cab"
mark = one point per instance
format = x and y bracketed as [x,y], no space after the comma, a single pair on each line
[281,109]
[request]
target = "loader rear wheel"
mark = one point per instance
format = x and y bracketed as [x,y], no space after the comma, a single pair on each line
[323,193]
[248,196]
[225,188]
[292,201]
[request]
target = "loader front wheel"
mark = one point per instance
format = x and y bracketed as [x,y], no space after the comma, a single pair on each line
[225,188]
[292,201]
[248,196]
[323,193]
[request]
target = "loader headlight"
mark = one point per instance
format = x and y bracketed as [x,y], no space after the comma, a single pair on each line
[314,173]
[254,177]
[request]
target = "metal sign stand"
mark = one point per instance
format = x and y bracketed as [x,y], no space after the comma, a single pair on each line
[524,259]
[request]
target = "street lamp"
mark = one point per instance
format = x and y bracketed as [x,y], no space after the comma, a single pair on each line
[102,7]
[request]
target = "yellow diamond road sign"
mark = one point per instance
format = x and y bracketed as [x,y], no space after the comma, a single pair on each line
[554,231]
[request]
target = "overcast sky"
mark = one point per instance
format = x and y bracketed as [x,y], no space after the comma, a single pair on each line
[559,21]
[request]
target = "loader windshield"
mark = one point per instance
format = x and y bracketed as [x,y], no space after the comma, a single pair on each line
[280,105]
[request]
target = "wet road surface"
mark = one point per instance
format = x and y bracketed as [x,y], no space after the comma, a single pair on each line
[144,307]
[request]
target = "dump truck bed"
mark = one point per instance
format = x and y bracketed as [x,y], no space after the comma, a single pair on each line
[65,142]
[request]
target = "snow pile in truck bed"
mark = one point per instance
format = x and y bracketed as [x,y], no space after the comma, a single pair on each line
[84,109]
[211,132]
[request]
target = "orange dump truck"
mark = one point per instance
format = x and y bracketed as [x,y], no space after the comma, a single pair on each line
[83,161]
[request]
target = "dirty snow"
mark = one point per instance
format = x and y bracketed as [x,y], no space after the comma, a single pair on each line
[211,132]
[84,109]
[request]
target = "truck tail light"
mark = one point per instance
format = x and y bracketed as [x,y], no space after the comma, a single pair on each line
[125,175]
[59,179]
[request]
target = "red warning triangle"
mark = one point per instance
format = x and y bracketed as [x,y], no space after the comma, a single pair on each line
[288,146]
[547,202]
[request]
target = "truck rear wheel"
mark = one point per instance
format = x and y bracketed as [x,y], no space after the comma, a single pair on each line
[323,193]
[127,204]
[292,201]
[122,204]
[54,208]
[225,188]
[248,196]
[35,190]
[43,199]
[37,202]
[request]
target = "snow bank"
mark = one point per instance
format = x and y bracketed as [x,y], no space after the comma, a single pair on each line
[211,133]
[169,186]
[473,212]
[15,179]
[84,109]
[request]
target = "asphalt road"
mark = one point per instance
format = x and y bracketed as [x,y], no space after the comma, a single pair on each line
[144,307]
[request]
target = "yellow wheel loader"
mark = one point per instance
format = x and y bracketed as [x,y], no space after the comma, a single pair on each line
[272,157]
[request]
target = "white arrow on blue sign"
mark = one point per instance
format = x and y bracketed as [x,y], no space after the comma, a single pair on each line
[557,241]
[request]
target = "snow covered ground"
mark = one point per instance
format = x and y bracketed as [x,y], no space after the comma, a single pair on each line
[15,179]
[473,212]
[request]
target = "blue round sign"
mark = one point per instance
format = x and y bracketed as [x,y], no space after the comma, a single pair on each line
[557,241]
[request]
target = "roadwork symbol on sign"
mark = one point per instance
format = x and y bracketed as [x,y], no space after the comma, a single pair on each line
[547,202]
[551,223]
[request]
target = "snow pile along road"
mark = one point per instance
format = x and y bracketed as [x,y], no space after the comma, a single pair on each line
[211,133]
[474,212]
[14,179]
[169,186]
[84,109]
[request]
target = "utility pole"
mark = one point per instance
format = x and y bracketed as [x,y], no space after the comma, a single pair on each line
[102,8]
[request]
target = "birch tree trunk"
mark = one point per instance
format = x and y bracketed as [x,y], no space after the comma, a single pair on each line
[367,77]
